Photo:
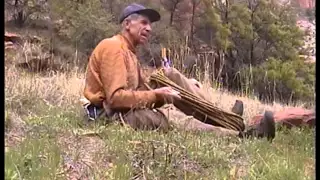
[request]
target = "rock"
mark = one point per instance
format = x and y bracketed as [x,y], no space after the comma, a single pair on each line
[310,60]
[306,3]
[309,46]
[11,37]
[292,117]
[9,45]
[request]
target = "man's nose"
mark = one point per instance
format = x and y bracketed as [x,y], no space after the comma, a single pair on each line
[148,28]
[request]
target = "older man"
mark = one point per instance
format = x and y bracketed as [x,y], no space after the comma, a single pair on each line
[114,83]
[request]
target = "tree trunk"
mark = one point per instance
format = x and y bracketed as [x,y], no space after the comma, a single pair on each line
[194,5]
[171,18]
[18,15]
[252,61]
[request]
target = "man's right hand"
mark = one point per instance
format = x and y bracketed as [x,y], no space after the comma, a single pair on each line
[168,94]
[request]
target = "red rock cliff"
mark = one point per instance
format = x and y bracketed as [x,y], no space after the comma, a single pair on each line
[307,3]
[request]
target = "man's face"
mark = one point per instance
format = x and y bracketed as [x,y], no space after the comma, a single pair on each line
[139,29]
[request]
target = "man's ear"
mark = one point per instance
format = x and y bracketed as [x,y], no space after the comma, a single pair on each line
[126,24]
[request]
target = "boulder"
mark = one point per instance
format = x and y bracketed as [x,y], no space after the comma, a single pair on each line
[11,37]
[9,45]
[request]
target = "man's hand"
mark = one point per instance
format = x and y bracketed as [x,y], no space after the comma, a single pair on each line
[168,94]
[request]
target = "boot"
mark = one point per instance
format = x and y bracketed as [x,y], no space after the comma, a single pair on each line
[266,128]
[238,108]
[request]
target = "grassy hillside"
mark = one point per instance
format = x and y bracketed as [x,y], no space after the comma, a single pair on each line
[46,139]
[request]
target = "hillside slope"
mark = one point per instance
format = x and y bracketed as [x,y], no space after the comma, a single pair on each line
[46,138]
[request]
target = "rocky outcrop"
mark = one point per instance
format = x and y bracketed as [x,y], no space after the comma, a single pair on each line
[306,4]
[292,117]
[11,40]
[29,53]
[309,47]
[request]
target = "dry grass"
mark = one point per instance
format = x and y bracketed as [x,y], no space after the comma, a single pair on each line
[55,88]
[65,89]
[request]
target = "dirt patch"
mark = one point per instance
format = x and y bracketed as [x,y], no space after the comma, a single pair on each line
[15,130]
[82,155]
[309,169]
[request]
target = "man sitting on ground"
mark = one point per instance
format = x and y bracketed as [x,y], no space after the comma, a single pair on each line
[114,84]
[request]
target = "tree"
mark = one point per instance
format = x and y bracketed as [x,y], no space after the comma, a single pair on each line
[83,24]
[171,6]
[24,9]
[194,6]
[288,81]
[247,34]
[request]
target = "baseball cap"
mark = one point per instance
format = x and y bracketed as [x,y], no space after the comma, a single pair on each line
[152,14]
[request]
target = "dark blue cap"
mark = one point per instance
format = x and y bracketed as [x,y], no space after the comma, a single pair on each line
[152,14]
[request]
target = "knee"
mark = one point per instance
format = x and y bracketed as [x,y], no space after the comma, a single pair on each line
[147,120]
[172,73]
[196,83]
[164,125]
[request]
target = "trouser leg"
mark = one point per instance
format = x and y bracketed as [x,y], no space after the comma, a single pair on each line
[182,122]
[178,78]
[265,129]
[192,123]
[145,119]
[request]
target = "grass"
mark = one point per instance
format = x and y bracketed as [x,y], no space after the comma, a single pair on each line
[47,139]
[55,147]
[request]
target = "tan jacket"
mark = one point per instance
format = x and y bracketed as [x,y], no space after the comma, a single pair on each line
[113,76]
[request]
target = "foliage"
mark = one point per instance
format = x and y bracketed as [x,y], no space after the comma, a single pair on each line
[24,10]
[311,14]
[282,80]
[84,24]
[250,33]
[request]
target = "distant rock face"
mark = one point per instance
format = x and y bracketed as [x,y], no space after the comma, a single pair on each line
[309,40]
[307,3]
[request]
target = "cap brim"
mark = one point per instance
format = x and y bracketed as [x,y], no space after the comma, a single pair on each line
[152,14]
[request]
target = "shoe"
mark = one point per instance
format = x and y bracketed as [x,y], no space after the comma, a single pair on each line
[266,128]
[238,108]
[92,112]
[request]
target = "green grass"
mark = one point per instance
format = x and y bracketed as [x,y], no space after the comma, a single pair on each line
[58,145]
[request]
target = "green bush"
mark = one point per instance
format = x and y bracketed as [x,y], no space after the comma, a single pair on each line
[84,24]
[288,81]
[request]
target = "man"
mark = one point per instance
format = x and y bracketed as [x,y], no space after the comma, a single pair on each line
[114,84]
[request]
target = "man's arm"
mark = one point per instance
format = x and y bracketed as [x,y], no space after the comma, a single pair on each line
[114,80]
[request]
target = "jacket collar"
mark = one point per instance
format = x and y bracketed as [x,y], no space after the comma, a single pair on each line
[127,43]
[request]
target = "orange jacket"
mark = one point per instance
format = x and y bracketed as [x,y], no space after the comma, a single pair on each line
[113,76]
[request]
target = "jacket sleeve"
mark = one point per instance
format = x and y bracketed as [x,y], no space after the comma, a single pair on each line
[114,81]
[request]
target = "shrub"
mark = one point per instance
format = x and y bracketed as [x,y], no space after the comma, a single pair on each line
[288,81]
[84,24]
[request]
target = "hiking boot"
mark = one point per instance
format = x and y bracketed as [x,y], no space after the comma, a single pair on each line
[238,108]
[266,128]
